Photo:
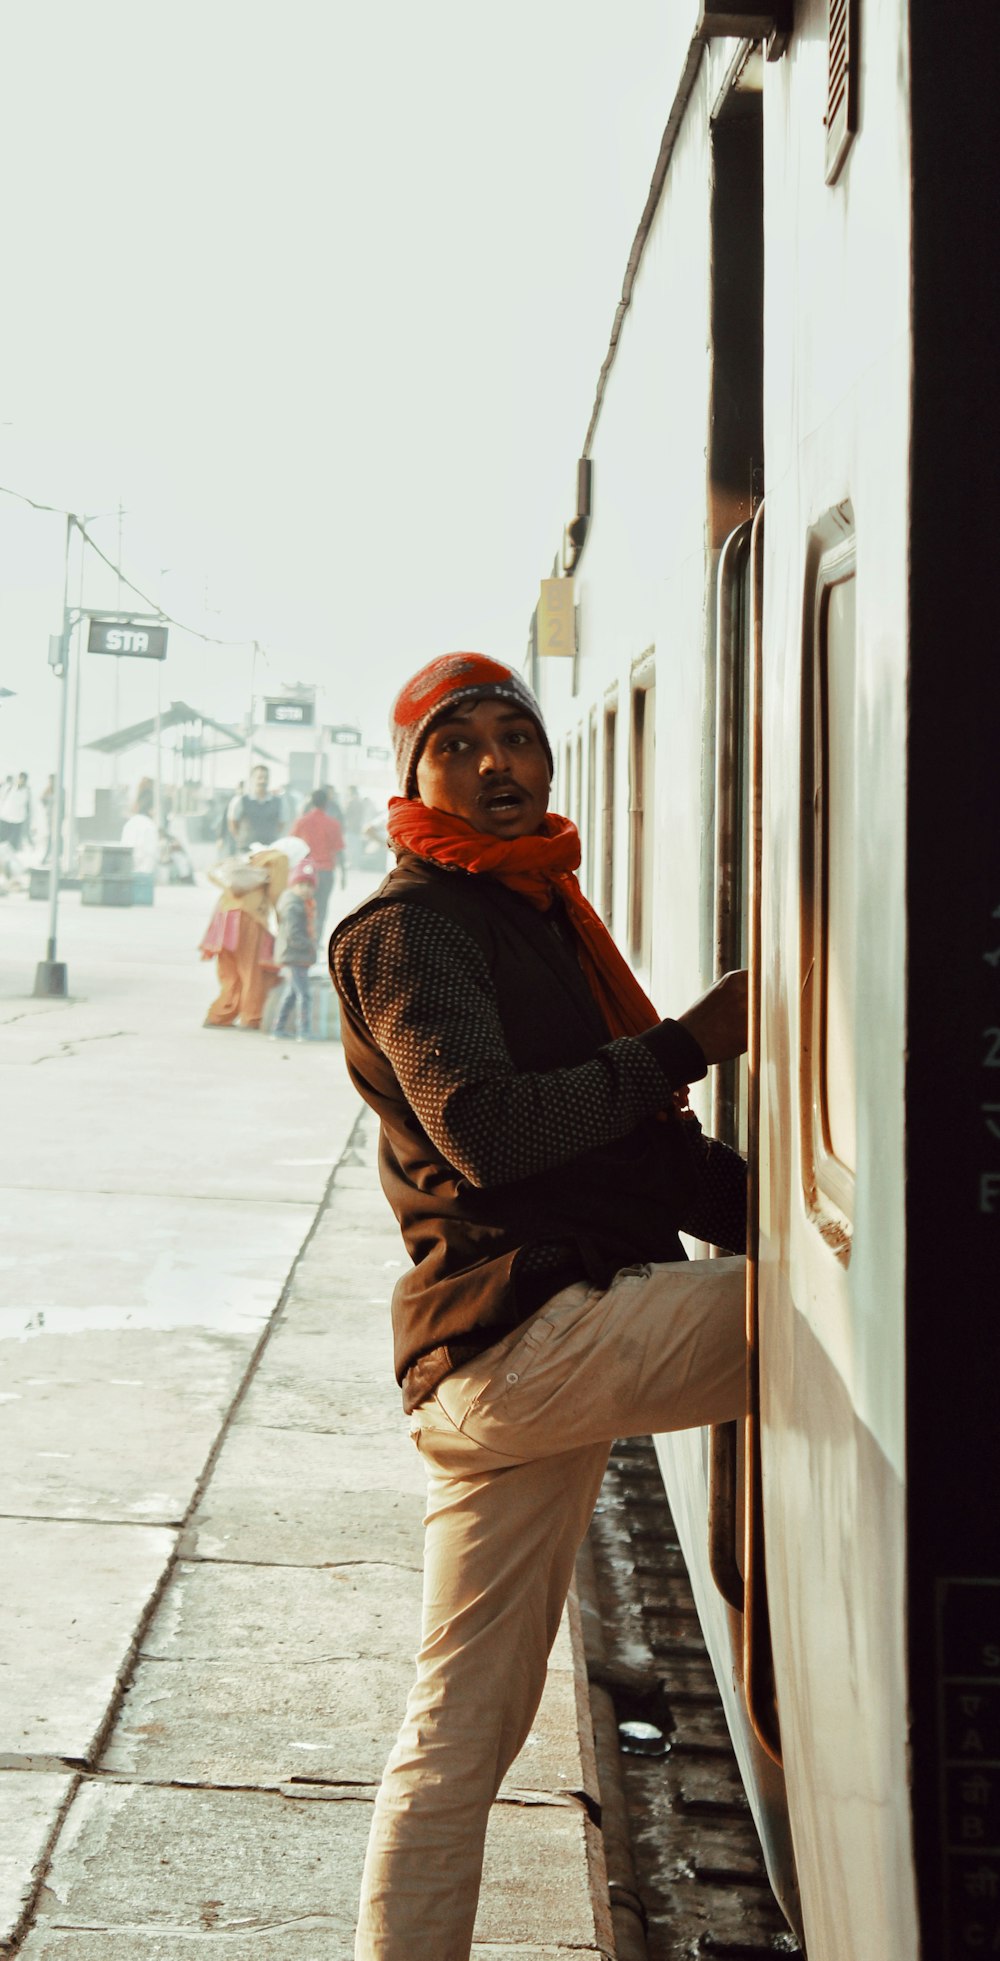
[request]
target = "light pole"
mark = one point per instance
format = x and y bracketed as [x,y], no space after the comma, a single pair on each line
[88,518]
[50,973]
[250,718]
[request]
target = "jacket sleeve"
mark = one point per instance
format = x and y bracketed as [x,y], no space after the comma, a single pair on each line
[423,989]
[717,1211]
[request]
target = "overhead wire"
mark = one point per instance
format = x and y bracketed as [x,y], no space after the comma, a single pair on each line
[169,619]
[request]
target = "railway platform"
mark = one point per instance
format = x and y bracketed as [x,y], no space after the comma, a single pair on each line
[212,1642]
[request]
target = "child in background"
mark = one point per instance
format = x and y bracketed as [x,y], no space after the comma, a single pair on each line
[295,950]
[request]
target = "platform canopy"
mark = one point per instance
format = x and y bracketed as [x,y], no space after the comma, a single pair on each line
[179,715]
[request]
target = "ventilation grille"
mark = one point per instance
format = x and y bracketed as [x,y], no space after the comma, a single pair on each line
[842,85]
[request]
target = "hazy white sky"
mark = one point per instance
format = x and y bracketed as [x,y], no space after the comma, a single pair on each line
[319,293]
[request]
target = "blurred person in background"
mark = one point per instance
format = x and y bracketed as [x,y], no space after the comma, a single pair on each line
[358,810]
[223,834]
[139,831]
[324,834]
[47,802]
[295,950]
[239,936]
[15,812]
[255,817]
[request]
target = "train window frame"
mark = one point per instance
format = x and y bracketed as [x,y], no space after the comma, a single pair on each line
[641,802]
[828,1181]
[579,804]
[608,787]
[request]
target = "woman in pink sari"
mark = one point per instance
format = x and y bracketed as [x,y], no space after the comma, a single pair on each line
[239,936]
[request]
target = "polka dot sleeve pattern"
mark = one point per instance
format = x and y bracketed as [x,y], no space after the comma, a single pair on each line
[424,990]
[718,1211]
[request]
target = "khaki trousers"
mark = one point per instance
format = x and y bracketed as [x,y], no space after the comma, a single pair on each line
[515,1446]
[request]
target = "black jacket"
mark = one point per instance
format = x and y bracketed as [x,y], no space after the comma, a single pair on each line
[613,1178]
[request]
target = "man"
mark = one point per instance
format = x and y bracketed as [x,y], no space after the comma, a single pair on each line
[139,831]
[534,1151]
[47,800]
[16,812]
[255,818]
[324,835]
[357,811]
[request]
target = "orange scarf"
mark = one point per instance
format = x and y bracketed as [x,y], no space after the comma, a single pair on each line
[540,867]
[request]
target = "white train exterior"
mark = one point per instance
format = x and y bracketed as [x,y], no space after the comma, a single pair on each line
[810,326]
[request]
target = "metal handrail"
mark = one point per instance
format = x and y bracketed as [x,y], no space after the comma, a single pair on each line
[758,1663]
[723,1482]
[729,686]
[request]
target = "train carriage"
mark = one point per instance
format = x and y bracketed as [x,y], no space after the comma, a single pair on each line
[776,731]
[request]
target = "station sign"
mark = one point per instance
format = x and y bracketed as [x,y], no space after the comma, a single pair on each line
[556,619]
[344,734]
[127,637]
[289,714]
[376,755]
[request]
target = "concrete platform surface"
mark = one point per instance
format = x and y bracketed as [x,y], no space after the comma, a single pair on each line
[114,1425]
[31,1804]
[276,1500]
[201,1408]
[263,1877]
[72,1598]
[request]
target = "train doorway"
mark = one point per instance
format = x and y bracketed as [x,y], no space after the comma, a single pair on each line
[735,494]
[735,490]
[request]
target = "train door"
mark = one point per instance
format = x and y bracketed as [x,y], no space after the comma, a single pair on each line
[736,463]
[735,525]
[736,1496]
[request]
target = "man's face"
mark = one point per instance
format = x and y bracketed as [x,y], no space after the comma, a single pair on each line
[485,762]
[258,782]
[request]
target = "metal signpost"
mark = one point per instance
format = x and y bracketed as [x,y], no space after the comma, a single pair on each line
[126,635]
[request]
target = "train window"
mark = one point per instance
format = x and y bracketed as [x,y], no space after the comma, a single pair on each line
[830,898]
[591,803]
[839,876]
[608,814]
[841,117]
[641,813]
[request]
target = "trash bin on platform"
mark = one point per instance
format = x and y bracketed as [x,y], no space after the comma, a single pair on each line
[107,875]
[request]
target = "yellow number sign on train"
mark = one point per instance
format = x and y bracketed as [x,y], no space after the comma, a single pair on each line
[556,618]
